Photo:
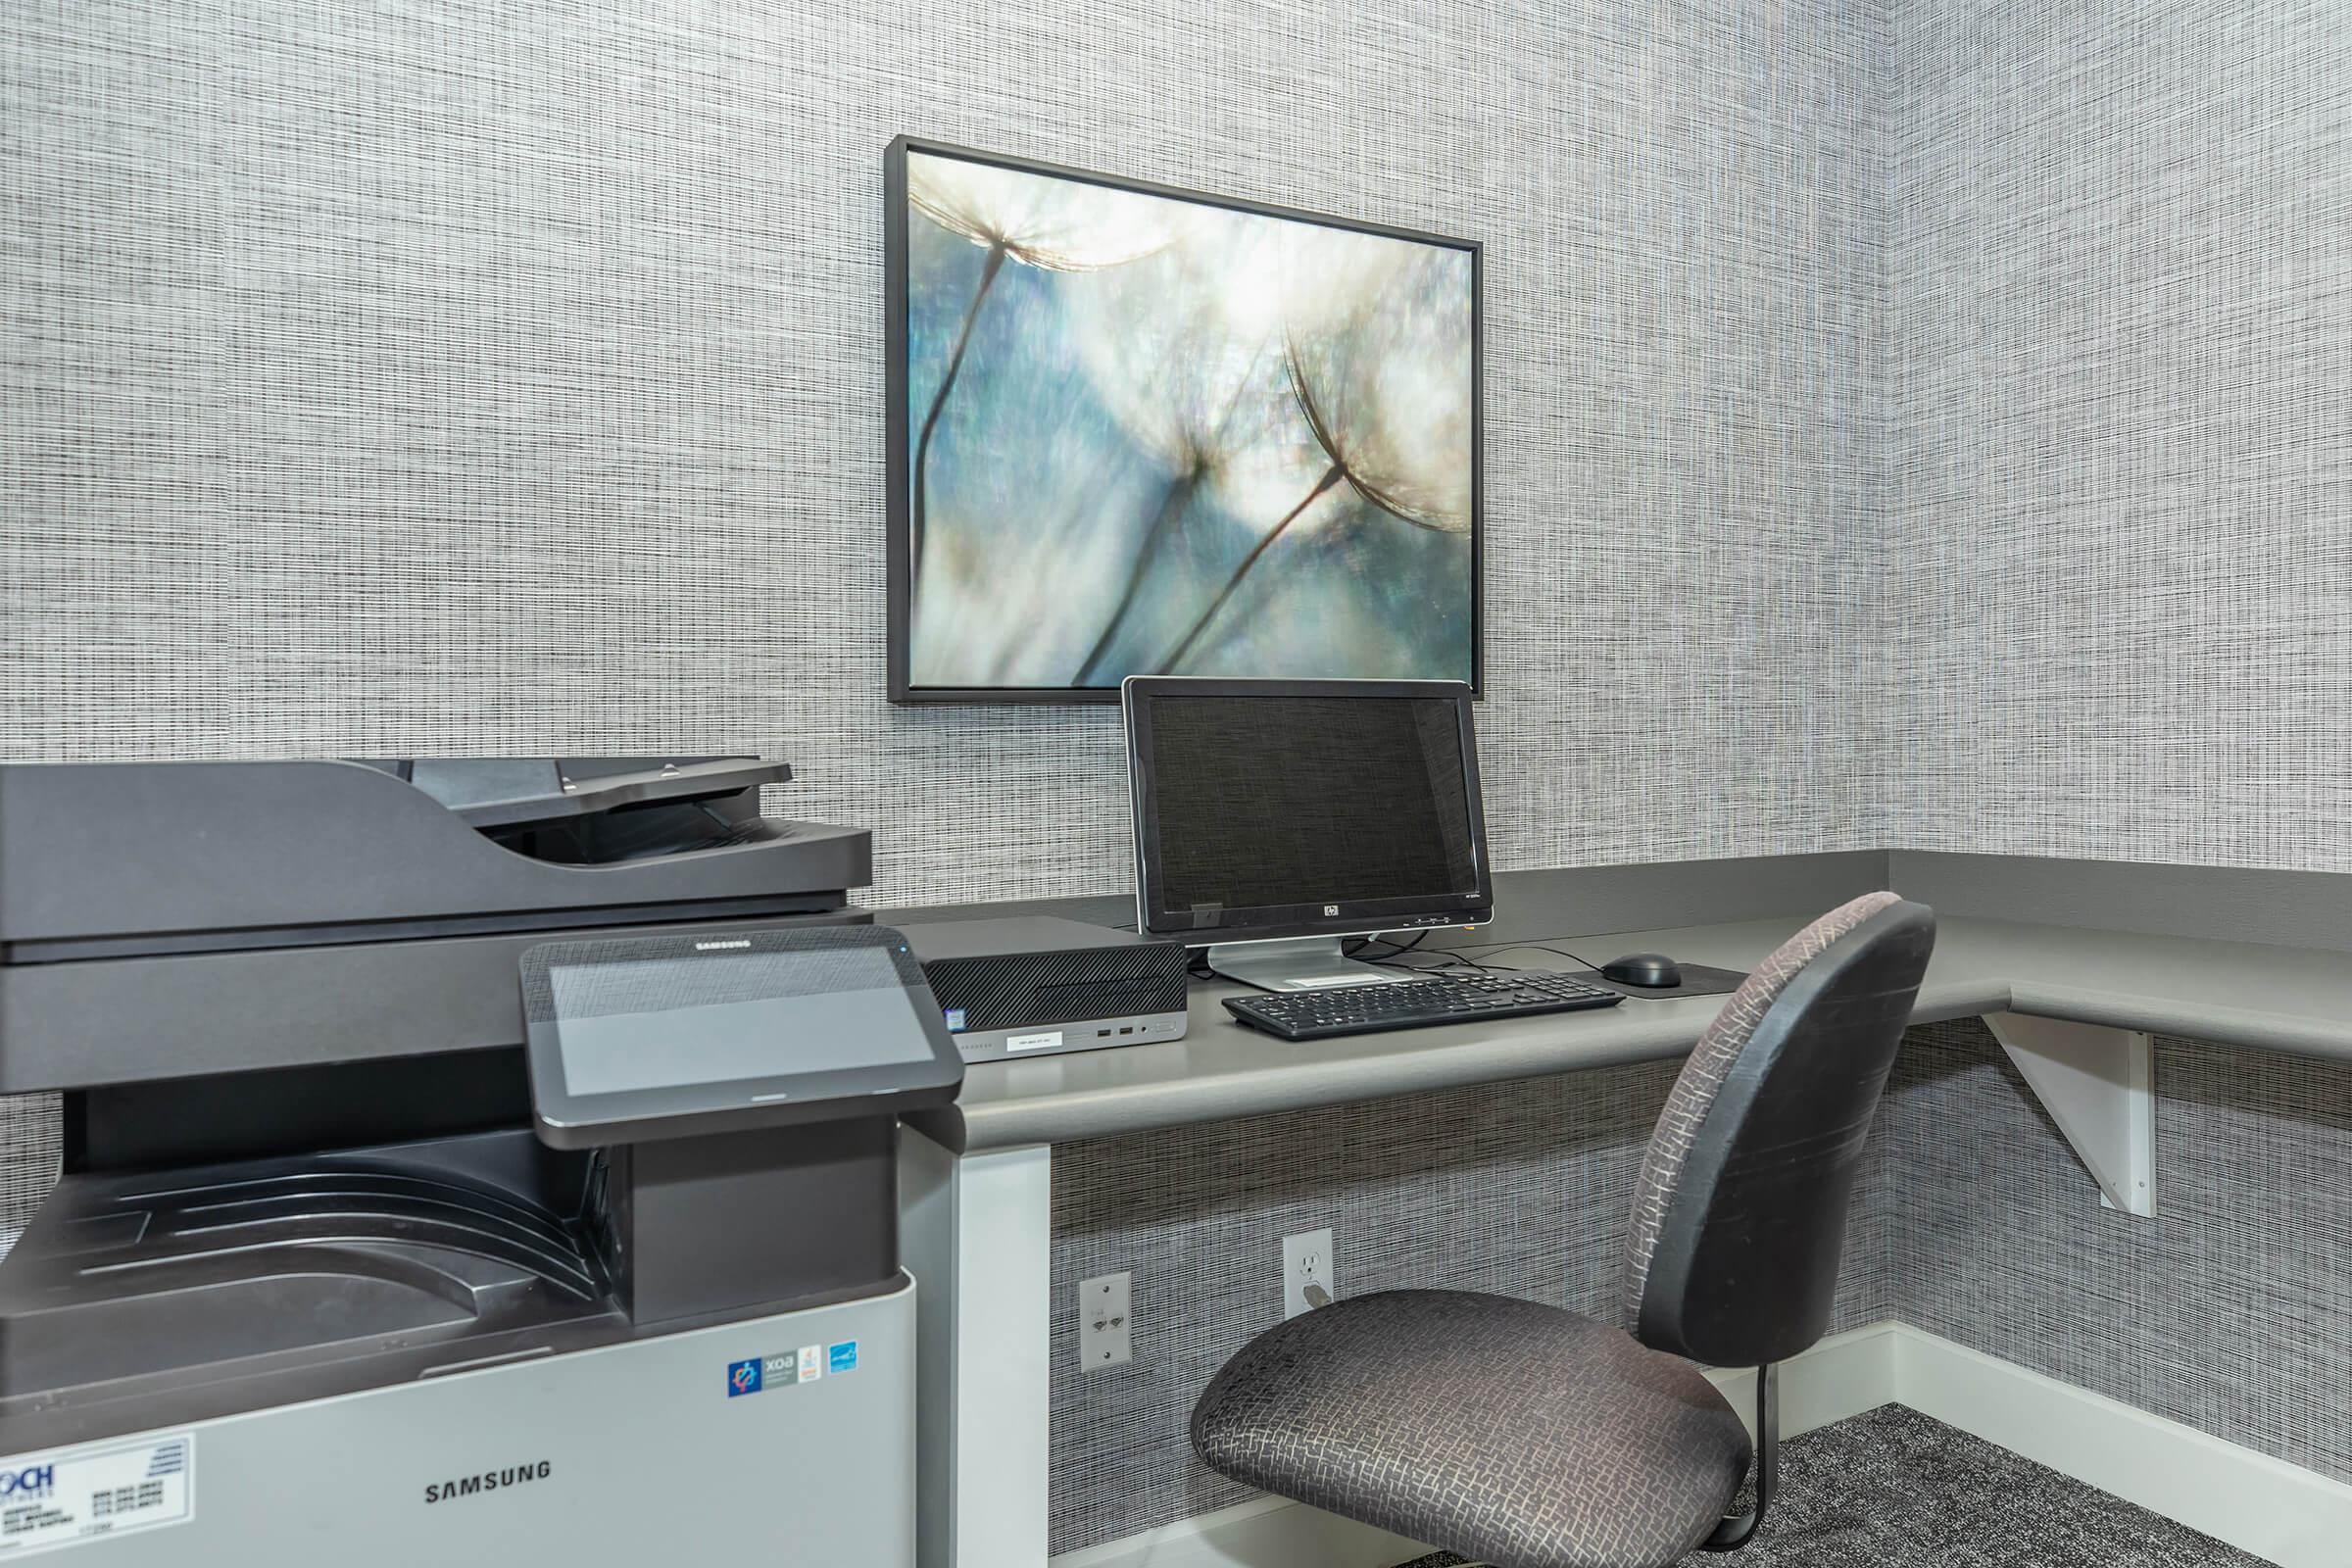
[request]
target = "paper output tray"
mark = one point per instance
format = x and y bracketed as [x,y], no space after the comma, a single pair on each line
[297,1275]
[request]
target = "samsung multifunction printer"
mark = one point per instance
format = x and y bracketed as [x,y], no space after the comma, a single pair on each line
[465,1162]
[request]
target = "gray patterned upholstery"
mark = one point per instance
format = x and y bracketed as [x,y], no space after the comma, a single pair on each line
[1519,1434]
[1523,1435]
[1710,1063]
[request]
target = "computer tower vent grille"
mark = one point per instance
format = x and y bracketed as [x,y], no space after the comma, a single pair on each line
[1007,992]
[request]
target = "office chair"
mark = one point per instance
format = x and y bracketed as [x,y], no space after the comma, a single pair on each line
[1529,1437]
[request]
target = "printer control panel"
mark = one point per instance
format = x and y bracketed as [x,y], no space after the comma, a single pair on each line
[676,1036]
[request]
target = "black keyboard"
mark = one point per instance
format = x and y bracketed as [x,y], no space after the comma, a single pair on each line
[1443,996]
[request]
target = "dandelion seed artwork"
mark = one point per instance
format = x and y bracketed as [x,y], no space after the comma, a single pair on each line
[1137,433]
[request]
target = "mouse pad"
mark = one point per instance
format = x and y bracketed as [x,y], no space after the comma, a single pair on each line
[1697,981]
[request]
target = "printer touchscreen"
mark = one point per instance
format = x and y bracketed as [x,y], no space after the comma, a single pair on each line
[714,1018]
[722,1031]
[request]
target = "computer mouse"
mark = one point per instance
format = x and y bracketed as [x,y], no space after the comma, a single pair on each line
[1643,969]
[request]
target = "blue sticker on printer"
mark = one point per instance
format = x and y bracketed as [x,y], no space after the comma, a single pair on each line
[805,1366]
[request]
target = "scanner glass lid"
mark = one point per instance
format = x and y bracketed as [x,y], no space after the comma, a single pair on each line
[712,1031]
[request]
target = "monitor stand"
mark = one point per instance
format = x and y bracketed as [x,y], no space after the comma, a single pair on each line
[1297,963]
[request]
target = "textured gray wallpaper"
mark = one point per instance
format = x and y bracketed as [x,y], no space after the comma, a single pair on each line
[1973,1220]
[2231,1310]
[28,1151]
[460,377]
[2121,484]
[1936,422]
[457,379]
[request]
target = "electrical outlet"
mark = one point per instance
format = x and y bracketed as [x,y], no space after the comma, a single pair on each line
[1105,1303]
[1308,1280]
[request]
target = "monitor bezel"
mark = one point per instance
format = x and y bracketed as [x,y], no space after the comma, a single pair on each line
[1280,922]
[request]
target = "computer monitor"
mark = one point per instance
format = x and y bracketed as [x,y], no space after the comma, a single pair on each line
[1275,817]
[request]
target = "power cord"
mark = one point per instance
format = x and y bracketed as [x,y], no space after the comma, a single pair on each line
[1448,960]
[1528,947]
[1396,948]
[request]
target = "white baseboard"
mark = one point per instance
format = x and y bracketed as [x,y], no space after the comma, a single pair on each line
[1266,1532]
[2274,1510]
[1843,1375]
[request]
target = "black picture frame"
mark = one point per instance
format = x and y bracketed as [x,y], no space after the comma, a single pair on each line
[899,478]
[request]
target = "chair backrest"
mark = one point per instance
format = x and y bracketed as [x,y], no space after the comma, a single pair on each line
[1739,1212]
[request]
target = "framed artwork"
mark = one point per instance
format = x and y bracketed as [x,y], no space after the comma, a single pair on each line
[1136,430]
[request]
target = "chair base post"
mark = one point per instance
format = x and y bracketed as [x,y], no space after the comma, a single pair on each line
[1732,1534]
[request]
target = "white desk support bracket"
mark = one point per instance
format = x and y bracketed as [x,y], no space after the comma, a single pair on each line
[2099,1084]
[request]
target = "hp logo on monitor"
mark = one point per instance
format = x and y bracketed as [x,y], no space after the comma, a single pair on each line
[1332,910]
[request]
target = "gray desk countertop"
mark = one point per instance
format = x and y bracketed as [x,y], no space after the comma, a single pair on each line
[2270,998]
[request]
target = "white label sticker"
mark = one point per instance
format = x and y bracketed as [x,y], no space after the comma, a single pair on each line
[812,1362]
[65,1499]
[1044,1042]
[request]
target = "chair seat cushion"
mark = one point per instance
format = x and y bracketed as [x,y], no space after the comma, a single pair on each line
[1510,1432]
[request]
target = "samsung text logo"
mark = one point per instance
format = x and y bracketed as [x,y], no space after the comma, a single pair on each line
[713,947]
[488,1481]
[34,1481]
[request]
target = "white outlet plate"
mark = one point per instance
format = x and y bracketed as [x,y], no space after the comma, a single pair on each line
[1307,1260]
[1105,1311]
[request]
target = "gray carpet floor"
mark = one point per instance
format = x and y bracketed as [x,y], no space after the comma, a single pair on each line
[1891,1489]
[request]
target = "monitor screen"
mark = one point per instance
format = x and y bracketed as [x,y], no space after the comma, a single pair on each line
[654,1023]
[1294,804]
